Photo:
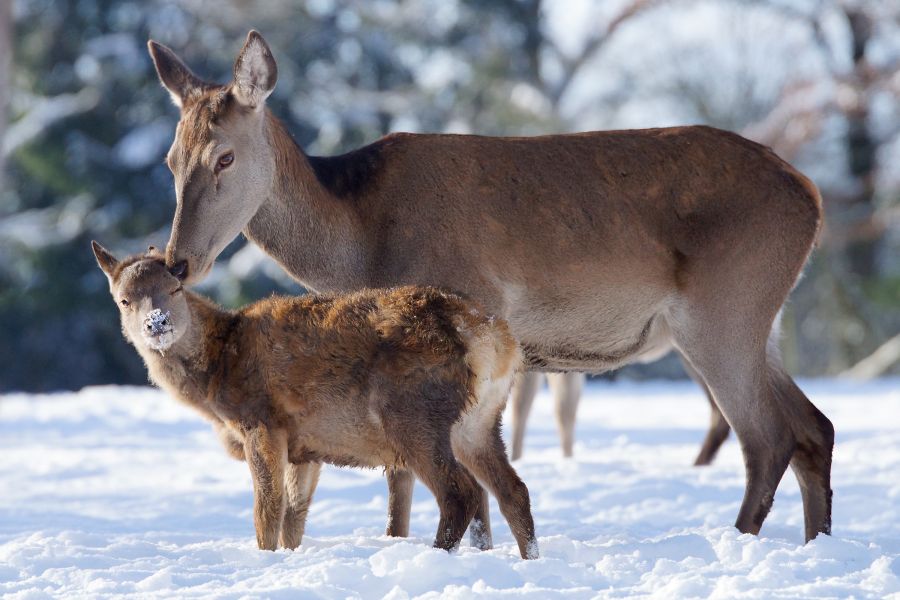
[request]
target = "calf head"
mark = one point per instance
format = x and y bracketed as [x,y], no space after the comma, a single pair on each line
[151,301]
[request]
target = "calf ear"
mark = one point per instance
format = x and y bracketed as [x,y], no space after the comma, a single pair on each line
[255,72]
[105,259]
[174,74]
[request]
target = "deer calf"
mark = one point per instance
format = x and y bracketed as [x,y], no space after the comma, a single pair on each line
[411,378]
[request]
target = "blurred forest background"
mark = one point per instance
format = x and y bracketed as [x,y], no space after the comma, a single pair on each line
[85,124]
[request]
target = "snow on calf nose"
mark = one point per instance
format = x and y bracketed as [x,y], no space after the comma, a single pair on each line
[158,330]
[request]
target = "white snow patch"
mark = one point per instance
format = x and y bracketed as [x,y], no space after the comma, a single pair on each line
[122,491]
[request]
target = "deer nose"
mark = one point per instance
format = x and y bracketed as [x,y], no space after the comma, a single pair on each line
[179,269]
[156,322]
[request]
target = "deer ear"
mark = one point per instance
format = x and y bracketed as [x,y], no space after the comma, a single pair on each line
[105,259]
[255,72]
[174,74]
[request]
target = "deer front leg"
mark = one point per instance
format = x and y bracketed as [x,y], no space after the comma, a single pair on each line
[266,454]
[400,491]
[299,483]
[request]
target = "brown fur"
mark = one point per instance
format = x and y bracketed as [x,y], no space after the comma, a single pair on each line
[598,248]
[409,378]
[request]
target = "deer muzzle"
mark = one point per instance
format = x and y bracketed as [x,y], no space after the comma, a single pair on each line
[158,329]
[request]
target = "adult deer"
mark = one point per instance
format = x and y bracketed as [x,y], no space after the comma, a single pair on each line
[598,248]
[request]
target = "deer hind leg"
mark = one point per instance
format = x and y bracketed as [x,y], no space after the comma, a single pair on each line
[731,282]
[724,331]
[457,492]
[522,396]
[566,389]
[715,436]
[400,491]
[480,529]
[734,367]
[811,462]
[718,426]
[300,483]
[485,457]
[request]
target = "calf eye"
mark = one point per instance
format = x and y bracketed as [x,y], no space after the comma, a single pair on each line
[176,290]
[124,302]
[225,161]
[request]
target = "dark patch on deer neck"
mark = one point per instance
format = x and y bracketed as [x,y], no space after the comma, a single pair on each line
[352,174]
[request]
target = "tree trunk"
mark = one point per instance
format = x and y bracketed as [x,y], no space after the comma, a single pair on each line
[861,146]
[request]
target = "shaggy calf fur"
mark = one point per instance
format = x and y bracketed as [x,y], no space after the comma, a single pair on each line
[411,378]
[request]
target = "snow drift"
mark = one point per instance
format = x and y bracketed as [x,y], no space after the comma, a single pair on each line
[115,491]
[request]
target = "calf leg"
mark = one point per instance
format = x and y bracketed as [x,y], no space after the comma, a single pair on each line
[480,528]
[266,454]
[522,397]
[458,494]
[300,483]
[400,491]
[458,497]
[489,464]
[566,388]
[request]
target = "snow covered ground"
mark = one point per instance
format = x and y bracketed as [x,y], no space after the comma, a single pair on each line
[122,491]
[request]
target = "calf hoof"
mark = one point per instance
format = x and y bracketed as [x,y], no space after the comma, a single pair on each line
[480,536]
[531,551]
[266,544]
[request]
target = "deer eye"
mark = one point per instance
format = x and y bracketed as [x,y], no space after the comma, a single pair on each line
[225,161]
[124,302]
[176,290]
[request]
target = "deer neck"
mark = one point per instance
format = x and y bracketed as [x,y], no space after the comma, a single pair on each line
[314,235]
[188,369]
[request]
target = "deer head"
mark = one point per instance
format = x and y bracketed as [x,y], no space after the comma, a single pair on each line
[221,159]
[151,301]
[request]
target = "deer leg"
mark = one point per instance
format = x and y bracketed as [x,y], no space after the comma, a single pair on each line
[300,483]
[731,283]
[266,453]
[566,389]
[489,464]
[458,497]
[480,528]
[524,390]
[811,462]
[715,437]
[718,426]
[400,491]
[738,380]
[457,493]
